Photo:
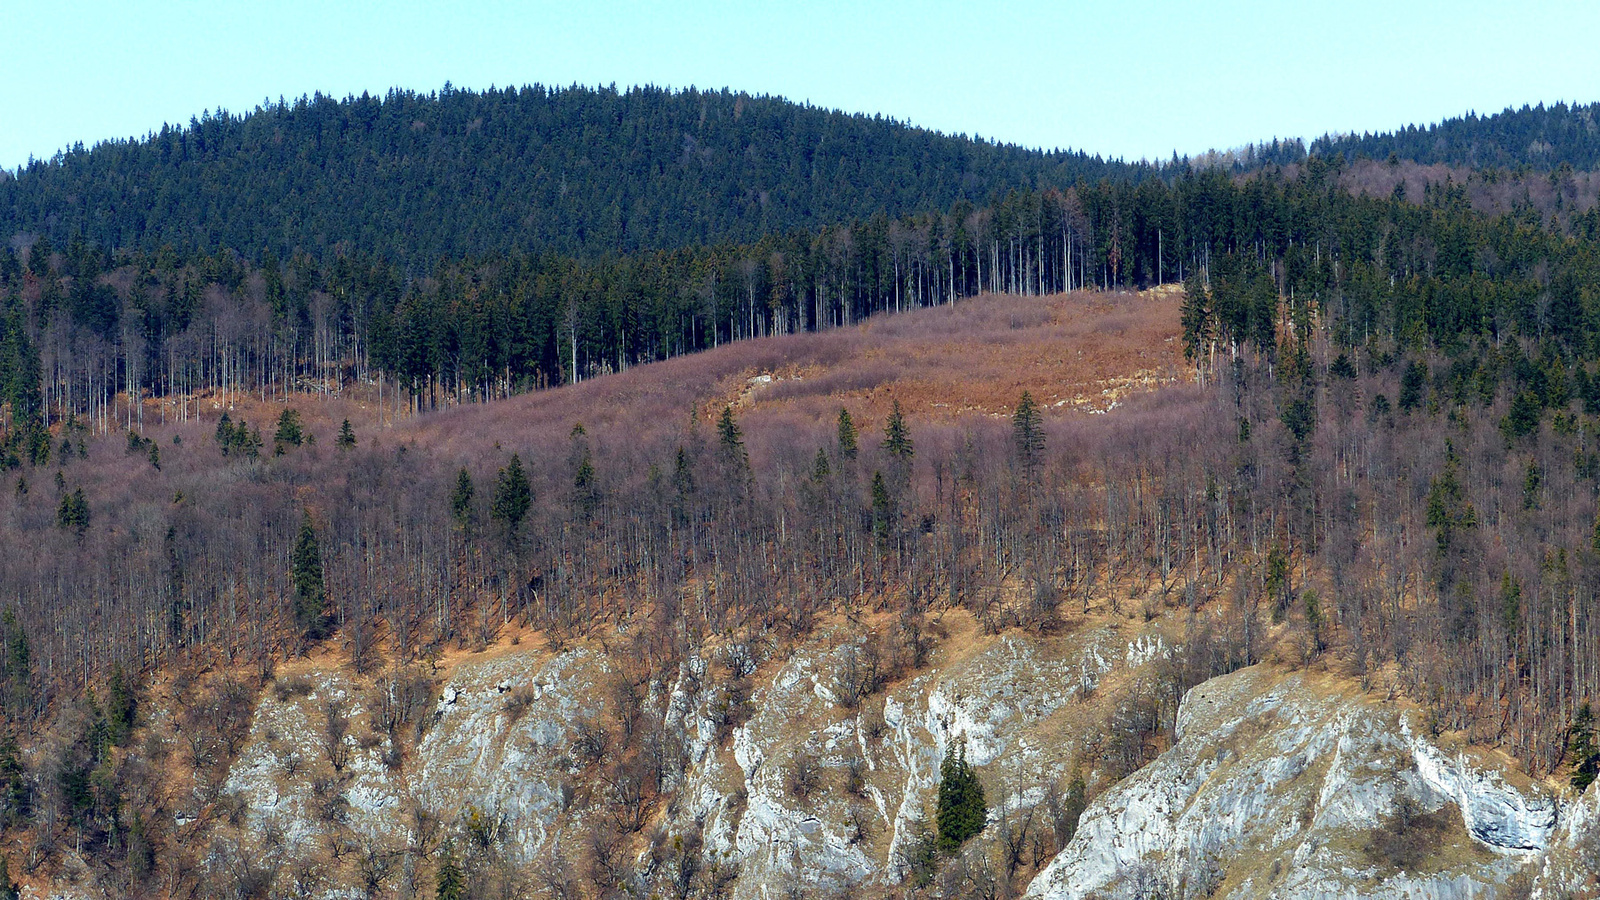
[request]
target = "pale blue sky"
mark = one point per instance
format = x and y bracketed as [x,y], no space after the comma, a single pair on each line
[1137,78]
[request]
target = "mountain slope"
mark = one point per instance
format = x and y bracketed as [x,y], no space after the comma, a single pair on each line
[576,171]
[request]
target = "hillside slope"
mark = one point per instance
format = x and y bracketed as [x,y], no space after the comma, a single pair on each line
[724,639]
[413,177]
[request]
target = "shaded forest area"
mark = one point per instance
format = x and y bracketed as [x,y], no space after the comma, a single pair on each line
[1537,137]
[168,326]
[87,329]
[411,177]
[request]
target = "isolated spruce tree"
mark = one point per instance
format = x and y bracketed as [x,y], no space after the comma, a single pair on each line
[14,789]
[962,811]
[346,438]
[585,488]
[1027,433]
[1532,481]
[1448,510]
[513,496]
[883,512]
[311,601]
[821,469]
[450,883]
[461,499]
[897,437]
[121,704]
[18,664]
[1582,750]
[847,435]
[9,890]
[72,513]
[289,431]
[223,434]
[683,487]
[729,437]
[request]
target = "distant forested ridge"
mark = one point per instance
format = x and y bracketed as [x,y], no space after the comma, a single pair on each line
[414,177]
[1537,137]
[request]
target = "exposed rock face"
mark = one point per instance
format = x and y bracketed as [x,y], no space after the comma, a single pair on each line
[1495,814]
[1015,702]
[477,753]
[1281,785]
[1288,786]
[1007,701]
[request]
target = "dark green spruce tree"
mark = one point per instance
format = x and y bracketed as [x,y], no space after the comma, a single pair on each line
[730,438]
[310,593]
[289,433]
[897,437]
[847,435]
[883,511]
[461,499]
[449,883]
[9,890]
[962,810]
[513,496]
[1583,752]
[1027,435]
[121,705]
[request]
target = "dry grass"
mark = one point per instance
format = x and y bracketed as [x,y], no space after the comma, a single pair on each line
[1077,353]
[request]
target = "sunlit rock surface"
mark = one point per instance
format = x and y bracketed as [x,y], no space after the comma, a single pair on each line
[1280,784]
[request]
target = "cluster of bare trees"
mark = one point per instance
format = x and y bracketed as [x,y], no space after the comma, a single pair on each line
[1289,508]
[1193,497]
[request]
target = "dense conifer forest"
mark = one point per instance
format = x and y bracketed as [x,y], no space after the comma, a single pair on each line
[413,177]
[1538,137]
[87,326]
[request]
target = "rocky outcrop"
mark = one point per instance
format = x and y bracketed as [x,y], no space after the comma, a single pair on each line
[498,743]
[1007,699]
[1293,786]
[1279,784]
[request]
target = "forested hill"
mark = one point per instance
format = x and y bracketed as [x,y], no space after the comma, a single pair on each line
[578,171]
[1538,137]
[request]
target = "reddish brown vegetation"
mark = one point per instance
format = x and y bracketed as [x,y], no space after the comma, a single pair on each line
[662,531]
[1489,191]
[940,363]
